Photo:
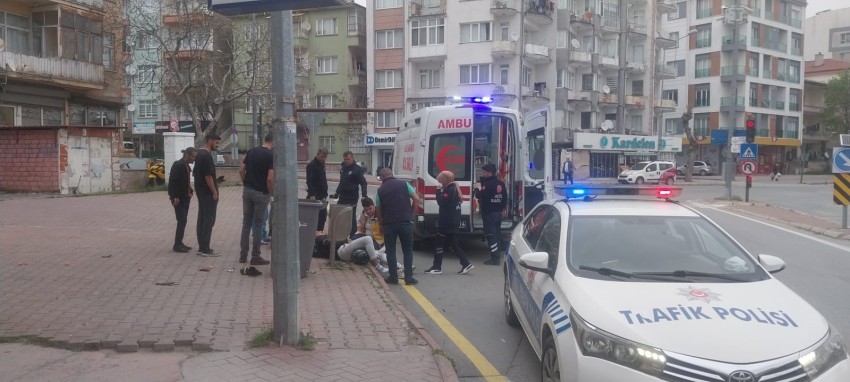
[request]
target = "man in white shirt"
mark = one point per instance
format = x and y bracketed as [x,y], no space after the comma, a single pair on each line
[568,171]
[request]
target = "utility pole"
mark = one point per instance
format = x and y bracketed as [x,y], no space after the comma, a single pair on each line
[734,15]
[621,72]
[255,141]
[652,33]
[285,255]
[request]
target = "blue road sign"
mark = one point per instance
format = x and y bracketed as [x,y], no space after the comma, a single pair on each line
[719,137]
[841,160]
[749,151]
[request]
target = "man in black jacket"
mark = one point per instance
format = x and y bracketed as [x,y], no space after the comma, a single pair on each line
[350,179]
[180,194]
[317,184]
[492,198]
[449,199]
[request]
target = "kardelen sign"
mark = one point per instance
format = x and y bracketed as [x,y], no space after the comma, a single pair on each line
[241,7]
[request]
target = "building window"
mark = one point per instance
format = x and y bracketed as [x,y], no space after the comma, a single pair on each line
[326,65]
[475,32]
[754,94]
[679,66]
[504,31]
[526,76]
[674,126]
[753,64]
[430,79]
[357,142]
[704,37]
[427,32]
[15,31]
[325,101]
[389,39]
[109,51]
[326,27]
[421,105]
[703,95]
[703,66]
[249,104]
[385,4]
[387,79]
[674,36]
[354,22]
[681,11]
[587,82]
[148,108]
[844,38]
[386,119]
[585,119]
[252,31]
[475,74]
[671,95]
[637,88]
[327,143]
[700,127]
[561,79]
[146,74]
[703,8]
[504,74]
[636,122]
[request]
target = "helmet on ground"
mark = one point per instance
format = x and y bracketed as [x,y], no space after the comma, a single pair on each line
[360,256]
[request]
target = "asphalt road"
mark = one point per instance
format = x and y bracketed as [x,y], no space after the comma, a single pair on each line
[817,269]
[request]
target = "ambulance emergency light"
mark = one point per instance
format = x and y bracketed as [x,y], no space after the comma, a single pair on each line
[479,100]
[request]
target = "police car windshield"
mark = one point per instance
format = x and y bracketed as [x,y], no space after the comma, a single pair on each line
[639,166]
[688,248]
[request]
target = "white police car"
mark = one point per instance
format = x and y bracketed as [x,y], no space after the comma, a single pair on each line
[630,290]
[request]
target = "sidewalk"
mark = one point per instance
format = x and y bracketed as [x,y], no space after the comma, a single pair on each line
[82,273]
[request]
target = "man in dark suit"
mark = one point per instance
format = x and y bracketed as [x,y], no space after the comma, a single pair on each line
[180,193]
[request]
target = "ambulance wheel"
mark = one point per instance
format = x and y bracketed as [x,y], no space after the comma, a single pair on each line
[510,314]
[639,180]
[550,369]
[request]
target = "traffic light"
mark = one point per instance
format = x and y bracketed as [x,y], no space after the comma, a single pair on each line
[751,129]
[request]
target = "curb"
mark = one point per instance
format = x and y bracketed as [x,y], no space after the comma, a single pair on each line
[447,371]
[831,233]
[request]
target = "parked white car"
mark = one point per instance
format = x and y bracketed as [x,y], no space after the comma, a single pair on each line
[643,172]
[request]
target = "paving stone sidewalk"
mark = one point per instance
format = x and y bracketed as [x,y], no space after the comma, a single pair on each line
[82,273]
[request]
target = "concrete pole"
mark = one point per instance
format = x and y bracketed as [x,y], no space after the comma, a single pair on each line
[255,141]
[729,170]
[285,258]
[652,32]
[621,72]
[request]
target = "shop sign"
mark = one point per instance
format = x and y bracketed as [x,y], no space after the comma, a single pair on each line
[144,128]
[618,142]
[380,139]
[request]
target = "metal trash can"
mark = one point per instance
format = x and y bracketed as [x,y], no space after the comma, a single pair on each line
[339,227]
[308,216]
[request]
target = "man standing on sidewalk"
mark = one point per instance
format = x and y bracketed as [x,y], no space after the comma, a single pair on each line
[317,184]
[180,194]
[207,190]
[492,198]
[395,214]
[350,179]
[568,171]
[257,174]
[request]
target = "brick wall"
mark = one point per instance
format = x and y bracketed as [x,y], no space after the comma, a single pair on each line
[29,160]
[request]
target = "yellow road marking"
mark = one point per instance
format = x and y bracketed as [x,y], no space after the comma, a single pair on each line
[487,370]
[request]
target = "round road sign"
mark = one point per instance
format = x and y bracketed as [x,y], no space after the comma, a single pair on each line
[747,167]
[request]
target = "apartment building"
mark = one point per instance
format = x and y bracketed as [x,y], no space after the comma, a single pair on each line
[61,95]
[818,140]
[828,33]
[735,66]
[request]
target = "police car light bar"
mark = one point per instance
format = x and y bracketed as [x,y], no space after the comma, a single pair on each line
[593,190]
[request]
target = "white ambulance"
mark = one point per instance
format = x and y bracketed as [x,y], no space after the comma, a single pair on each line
[461,138]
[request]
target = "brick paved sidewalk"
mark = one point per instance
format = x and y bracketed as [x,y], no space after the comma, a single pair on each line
[81,272]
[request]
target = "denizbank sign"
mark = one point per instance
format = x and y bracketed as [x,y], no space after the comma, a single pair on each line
[380,139]
[618,142]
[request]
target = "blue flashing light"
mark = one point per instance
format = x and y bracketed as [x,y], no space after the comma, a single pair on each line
[474,100]
[575,192]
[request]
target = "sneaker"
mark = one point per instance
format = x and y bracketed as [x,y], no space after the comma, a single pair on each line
[433,271]
[411,282]
[181,249]
[493,261]
[184,246]
[259,261]
[466,269]
[391,280]
[243,259]
[210,253]
[382,269]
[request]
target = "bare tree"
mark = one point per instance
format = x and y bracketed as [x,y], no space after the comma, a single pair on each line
[692,144]
[202,64]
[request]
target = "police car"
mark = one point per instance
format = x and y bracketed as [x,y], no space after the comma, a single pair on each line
[623,288]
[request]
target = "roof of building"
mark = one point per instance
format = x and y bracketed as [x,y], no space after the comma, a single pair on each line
[829,65]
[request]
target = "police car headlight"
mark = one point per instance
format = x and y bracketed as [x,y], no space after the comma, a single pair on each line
[594,342]
[825,356]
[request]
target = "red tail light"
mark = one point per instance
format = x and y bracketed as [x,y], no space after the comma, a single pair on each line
[420,189]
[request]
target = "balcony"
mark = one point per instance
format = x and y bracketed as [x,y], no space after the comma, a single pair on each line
[581,96]
[417,8]
[55,70]
[733,73]
[503,49]
[793,107]
[427,53]
[608,98]
[700,73]
[703,13]
[730,104]
[609,62]
[665,72]
[753,71]
[585,21]
[704,42]
[666,6]
[537,54]
[538,13]
[507,91]
[610,24]
[665,42]
[535,97]
[635,66]
[502,8]
[665,105]
[637,31]
[635,102]
[731,43]
[789,134]
[580,58]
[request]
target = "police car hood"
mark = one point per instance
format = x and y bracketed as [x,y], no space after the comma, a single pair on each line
[729,322]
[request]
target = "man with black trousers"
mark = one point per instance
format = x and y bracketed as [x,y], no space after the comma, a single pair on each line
[207,190]
[492,198]
[180,194]
[395,202]
[449,200]
[317,184]
[350,179]
[257,173]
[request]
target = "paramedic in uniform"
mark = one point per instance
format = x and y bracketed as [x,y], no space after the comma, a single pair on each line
[492,198]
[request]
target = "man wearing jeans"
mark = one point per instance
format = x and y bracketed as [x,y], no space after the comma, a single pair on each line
[257,173]
[395,214]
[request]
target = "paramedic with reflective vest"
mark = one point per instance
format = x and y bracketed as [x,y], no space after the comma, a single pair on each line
[492,198]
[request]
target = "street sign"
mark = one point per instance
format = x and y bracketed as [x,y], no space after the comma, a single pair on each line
[749,151]
[719,137]
[841,191]
[841,160]
[737,142]
[748,167]
[242,7]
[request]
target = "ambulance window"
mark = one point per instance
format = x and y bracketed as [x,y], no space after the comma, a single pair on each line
[449,152]
[536,154]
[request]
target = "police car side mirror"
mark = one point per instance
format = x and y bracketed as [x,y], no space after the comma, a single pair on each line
[536,261]
[772,264]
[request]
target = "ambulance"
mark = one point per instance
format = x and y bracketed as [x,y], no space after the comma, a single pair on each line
[462,138]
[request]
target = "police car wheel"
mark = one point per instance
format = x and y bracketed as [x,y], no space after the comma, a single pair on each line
[510,314]
[639,180]
[549,366]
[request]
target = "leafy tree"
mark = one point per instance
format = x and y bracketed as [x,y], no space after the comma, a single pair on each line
[836,112]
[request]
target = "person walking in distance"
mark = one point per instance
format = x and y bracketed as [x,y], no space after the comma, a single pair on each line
[492,198]
[207,190]
[449,199]
[350,179]
[180,194]
[568,171]
[257,173]
[395,202]
[317,185]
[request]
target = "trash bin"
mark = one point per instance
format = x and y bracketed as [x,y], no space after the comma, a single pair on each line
[339,227]
[308,216]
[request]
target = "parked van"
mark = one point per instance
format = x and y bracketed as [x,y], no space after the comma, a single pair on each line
[643,172]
